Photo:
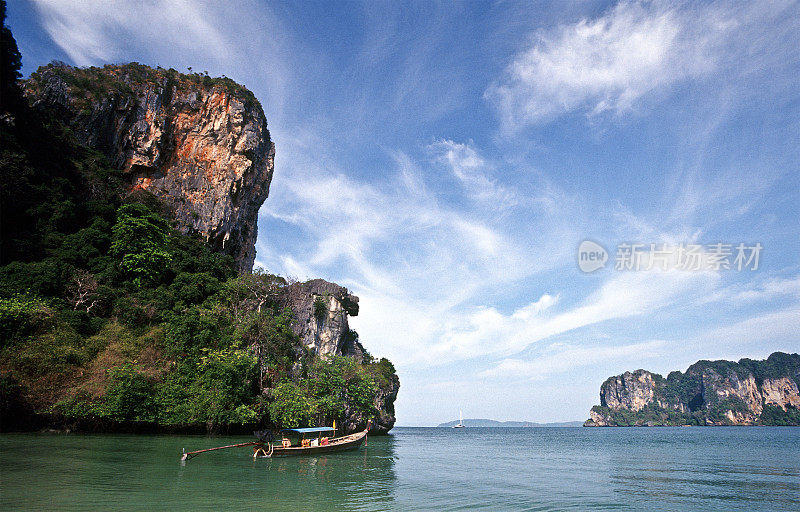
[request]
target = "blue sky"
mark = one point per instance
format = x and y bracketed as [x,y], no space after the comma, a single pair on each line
[445,161]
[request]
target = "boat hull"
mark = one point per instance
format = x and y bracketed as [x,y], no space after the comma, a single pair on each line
[351,442]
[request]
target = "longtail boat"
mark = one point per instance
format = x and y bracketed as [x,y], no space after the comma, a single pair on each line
[316,445]
[311,446]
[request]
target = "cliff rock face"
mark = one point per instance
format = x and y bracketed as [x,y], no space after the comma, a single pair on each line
[384,404]
[708,393]
[629,391]
[781,392]
[199,143]
[732,389]
[597,419]
[320,312]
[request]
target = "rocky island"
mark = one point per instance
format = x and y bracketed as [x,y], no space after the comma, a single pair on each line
[128,299]
[747,392]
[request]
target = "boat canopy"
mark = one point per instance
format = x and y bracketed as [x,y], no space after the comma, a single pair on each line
[309,430]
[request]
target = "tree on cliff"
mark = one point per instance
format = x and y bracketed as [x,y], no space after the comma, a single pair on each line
[82,290]
[140,243]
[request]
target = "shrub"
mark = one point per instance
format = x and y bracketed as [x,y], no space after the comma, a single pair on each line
[272,339]
[291,406]
[136,310]
[80,405]
[129,395]
[45,278]
[216,391]
[172,395]
[194,288]
[223,390]
[140,243]
[195,328]
[54,351]
[334,386]
[383,371]
[321,305]
[20,317]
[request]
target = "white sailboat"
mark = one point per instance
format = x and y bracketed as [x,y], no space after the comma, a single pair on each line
[460,420]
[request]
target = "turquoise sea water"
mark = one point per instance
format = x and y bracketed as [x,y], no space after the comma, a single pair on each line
[415,469]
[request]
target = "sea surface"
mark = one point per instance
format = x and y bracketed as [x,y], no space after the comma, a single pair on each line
[682,469]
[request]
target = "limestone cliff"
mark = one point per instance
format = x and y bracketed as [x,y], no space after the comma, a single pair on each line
[199,143]
[781,392]
[630,390]
[708,393]
[321,310]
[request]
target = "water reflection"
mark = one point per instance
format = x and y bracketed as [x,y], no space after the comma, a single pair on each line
[358,480]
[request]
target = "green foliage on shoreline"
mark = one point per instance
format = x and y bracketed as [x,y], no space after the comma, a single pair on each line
[129,395]
[649,415]
[329,388]
[190,341]
[775,416]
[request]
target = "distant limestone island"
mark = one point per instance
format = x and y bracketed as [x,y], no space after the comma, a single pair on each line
[711,393]
[477,422]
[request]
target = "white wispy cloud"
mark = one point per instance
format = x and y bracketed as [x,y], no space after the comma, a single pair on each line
[778,326]
[758,289]
[360,225]
[421,263]
[473,173]
[97,31]
[559,358]
[759,333]
[486,331]
[609,63]
[425,267]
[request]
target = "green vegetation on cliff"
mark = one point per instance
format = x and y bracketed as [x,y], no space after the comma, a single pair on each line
[649,415]
[111,318]
[93,85]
